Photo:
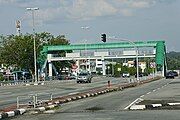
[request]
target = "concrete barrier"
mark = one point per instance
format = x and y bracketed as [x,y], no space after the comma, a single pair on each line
[8,114]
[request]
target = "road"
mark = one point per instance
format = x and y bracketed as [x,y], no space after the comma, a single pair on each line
[110,106]
[9,94]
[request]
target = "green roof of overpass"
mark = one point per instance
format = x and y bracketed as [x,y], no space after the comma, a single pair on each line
[101,46]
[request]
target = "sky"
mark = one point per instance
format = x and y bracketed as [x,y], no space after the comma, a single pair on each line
[83,21]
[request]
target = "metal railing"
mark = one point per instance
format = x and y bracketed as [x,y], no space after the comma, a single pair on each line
[33,99]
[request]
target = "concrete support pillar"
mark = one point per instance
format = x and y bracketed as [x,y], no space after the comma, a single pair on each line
[49,65]
[50,70]
[77,63]
[163,70]
[103,66]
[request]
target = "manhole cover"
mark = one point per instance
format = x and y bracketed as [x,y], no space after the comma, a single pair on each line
[94,108]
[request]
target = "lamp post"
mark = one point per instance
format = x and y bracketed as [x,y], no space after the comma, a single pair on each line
[35,65]
[136,48]
[86,28]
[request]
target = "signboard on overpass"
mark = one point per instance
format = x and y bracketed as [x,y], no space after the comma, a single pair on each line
[101,53]
[73,55]
[129,52]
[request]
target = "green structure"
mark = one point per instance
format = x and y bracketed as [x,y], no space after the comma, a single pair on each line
[159,45]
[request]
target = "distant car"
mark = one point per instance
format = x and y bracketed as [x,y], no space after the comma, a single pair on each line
[71,77]
[170,75]
[140,75]
[145,74]
[63,77]
[84,77]
[125,74]
[175,73]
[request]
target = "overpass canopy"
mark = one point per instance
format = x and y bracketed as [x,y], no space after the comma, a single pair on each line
[159,45]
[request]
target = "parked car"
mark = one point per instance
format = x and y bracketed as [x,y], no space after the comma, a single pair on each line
[170,75]
[22,75]
[84,77]
[125,74]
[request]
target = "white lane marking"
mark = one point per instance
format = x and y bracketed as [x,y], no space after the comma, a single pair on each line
[156,105]
[73,93]
[132,103]
[6,93]
[173,103]
[137,107]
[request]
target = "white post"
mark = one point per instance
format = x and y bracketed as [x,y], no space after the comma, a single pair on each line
[34,101]
[51,95]
[17,102]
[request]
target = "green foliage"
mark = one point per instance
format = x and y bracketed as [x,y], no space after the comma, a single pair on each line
[117,70]
[19,50]
[173,60]
[1,77]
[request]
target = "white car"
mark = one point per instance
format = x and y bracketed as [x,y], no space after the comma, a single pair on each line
[84,77]
[126,74]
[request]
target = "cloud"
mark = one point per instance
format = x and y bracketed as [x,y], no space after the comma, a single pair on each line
[140,4]
[88,9]
[84,9]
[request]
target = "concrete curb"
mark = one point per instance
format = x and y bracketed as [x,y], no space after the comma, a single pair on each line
[4,115]
[11,84]
[42,109]
[151,106]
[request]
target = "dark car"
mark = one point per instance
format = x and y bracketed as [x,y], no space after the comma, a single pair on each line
[175,73]
[21,75]
[170,75]
[140,75]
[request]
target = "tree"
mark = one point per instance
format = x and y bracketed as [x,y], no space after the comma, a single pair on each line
[19,50]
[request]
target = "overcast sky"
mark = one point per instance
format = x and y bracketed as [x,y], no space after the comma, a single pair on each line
[137,20]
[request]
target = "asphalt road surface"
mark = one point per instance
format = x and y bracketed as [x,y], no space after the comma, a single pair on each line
[9,94]
[110,106]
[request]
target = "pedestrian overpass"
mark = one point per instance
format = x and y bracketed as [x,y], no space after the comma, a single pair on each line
[47,56]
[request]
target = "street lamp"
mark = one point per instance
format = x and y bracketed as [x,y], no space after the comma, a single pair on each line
[86,28]
[136,48]
[35,65]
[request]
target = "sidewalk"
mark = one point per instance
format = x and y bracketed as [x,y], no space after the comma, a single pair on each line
[164,97]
